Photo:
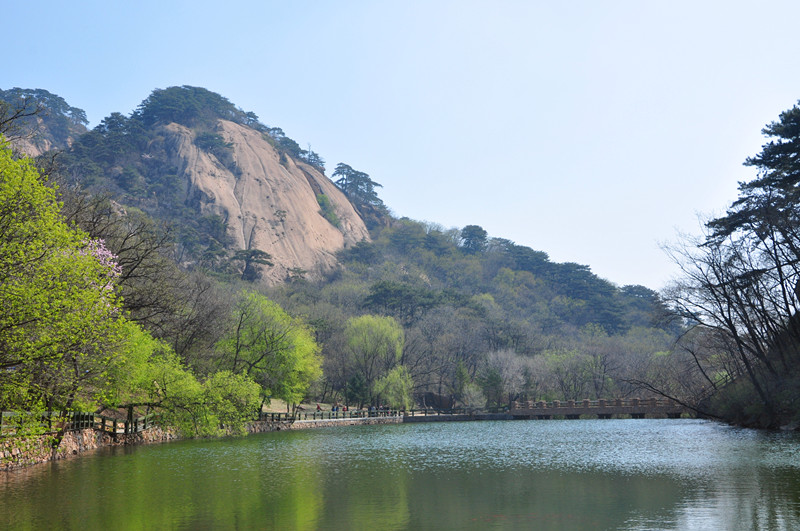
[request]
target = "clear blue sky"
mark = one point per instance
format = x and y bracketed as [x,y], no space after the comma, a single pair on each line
[593,131]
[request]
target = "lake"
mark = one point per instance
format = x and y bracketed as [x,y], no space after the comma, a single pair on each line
[553,474]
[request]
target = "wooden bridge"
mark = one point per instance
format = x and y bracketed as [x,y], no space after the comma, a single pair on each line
[637,408]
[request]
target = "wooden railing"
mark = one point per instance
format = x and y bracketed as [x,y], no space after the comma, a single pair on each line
[326,414]
[53,422]
[365,413]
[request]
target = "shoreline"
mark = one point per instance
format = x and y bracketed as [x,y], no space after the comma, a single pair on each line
[16,455]
[21,454]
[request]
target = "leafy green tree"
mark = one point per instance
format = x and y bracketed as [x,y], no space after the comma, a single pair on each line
[491,382]
[58,306]
[274,349]
[357,185]
[356,390]
[375,345]
[146,375]
[395,389]
[473,239]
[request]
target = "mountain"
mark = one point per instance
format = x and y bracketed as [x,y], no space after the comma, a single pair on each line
[245,201]
[484,320]
[242,197]
[39,121]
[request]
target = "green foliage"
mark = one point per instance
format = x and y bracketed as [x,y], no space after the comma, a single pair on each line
[252,260]
[147,373]
[357,391]
[58,308]
[473,238]
[212,142]
[189,106]
[327,211]
[277,351]
[375,345]
[232,399]
[395,389]
[491,383]
[403,301]
[361,190]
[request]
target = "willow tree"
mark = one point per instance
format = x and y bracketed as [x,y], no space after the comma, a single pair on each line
[375,345]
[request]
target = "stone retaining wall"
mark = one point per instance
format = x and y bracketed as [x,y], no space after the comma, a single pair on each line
[15,453]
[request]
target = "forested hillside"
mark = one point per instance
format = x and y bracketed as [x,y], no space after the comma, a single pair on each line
[410,312]
[36,121]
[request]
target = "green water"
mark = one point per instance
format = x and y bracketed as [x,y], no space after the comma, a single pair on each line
[605,474]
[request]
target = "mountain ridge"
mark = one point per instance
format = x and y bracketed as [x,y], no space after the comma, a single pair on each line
[244,199]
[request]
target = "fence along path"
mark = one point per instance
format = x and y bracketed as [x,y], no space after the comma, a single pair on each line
[51,421]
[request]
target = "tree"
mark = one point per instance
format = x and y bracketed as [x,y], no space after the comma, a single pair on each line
[252,258]
[741,280]
[569,371]
[58,307]
[375,345]
[40,117]
[506,376]
[146,374]
[189,106]
[273,348]
[395,388]
[14,115]
[473,239]
[357,186]
[407,303]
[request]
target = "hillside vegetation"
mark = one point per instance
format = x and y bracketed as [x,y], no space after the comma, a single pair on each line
[407,313]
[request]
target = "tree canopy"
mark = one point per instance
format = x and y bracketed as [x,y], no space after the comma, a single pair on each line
[277,351]
[58,307]
[357,185]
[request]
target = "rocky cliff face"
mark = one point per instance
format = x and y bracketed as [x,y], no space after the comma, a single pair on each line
[268,201]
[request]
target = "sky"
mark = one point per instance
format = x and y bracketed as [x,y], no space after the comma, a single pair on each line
[595,131]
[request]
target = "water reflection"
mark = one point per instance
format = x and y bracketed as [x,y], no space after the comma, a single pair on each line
[626,474]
